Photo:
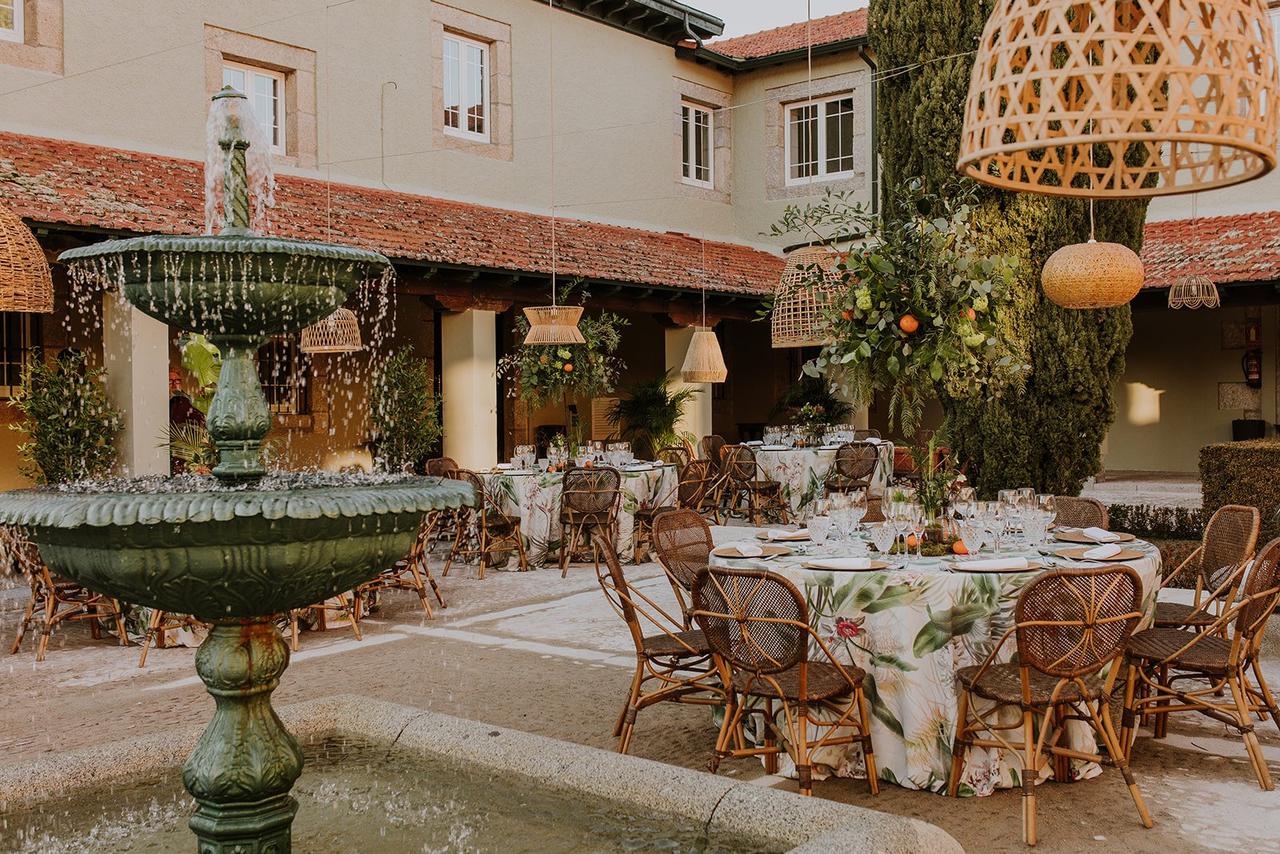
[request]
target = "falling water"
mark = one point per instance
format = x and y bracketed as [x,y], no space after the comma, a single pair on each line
[225,116]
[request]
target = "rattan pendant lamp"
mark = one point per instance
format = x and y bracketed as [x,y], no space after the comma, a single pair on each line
[553,324]
[703,361]
[26,284]
[810,283]
[1195,291]
[1168,96]
[337,333]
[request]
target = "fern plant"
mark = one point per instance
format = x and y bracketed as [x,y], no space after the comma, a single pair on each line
[649,413]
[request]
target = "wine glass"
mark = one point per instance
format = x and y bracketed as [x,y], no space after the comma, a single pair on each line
[963,503]
[915,516]
[857,509]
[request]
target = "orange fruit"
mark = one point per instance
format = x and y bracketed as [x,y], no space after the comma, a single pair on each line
[911,541]
[846,314]
[959,547]
[908,323]
[971,314]
[568,367]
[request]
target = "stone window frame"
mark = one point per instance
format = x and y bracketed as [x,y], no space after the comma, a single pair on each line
[854,83]
[297,64]
[497,35]
[718,102]
[41,46]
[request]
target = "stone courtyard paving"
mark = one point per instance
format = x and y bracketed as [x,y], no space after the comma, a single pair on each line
[546,655]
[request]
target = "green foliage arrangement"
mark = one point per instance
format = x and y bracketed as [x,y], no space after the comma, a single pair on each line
[648,415]
[1047,433]
[1244,473]
[404,413]
[541,373]
[922,306]
[70,424]
[811,392]
[937,475]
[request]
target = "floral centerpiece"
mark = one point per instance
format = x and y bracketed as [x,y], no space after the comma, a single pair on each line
[815,419]
[922,308]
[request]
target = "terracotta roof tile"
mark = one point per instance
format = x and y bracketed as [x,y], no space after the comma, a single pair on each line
[833,28]
[70,183]
[1227,249]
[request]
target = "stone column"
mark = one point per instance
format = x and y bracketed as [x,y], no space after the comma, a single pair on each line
[697,412]
[468,355]
[135,351]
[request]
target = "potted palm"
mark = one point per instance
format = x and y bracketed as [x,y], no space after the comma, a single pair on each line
[649,413]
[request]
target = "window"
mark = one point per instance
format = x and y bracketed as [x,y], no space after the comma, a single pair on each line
[19,338]
[265,90]
[695,123]
[283,371]
[820,139]
[466,88]
[11,24]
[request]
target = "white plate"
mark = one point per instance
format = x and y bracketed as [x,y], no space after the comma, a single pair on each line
[773,448]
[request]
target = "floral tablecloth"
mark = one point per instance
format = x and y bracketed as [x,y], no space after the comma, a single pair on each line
[911,627]
[535,498]
[801,471]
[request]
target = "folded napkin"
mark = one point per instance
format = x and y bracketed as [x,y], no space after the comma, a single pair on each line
[1100,535]
[1102,552]
[773,534]
[873,440]
[745,549]
[996,563]
[841,563]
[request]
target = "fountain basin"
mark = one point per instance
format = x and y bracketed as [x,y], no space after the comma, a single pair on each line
[189,546]
[555,781]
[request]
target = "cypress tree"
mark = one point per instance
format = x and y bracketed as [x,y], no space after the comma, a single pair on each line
[1049,434]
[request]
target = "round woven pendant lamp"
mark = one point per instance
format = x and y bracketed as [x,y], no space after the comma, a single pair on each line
[1092,275]
[1194,292]
[1122,98]
[554,324]
[25,281]
[809,284]
[703,361]
[337,333]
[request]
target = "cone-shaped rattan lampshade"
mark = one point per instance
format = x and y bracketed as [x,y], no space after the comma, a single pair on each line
[809,283]
[1194,292]
[1112,98]
[25,281]
[1092,275]
[554,324]
[337,333]
[703,361]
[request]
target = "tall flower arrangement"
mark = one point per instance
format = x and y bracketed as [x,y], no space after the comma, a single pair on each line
[920,314]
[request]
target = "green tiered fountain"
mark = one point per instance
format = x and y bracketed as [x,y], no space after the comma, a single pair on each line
[240,547]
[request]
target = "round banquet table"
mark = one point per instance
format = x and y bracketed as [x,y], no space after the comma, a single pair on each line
[534,497]
[911,627]
[801,471]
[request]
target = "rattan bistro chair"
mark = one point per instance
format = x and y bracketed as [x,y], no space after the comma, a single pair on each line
[761,498]
[853,468]
[1216,661]
[757,625]
[682,539]
[1073,512]
[1228,544]
[1071,623]
[412,572]
[484,532]
[691,493]
[588,510]
[55,600]
[674,455]
[673,662]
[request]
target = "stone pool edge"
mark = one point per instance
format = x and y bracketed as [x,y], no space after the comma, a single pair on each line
[721,804]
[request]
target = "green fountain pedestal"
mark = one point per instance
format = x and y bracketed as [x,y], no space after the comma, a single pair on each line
[245,763]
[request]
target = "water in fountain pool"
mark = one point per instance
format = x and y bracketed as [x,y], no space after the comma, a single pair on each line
[356,796]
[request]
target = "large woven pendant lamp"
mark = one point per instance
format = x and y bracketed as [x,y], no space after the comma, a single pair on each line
[1174,96]
[553,324]
[25,282]
[1092,275]
[337,333]
[703,361]
[810,282]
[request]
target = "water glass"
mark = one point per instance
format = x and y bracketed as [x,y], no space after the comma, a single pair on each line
[543,464]
[819,528]
[883,536]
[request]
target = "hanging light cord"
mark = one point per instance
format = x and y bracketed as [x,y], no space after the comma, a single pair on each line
[704,283]
[551,81]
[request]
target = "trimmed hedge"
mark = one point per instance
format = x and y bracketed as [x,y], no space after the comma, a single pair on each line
[1154,521]
[1244,473]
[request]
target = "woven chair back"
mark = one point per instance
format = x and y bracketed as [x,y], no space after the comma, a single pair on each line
[614,584]
[865,434]
[857,460]
[712,447]
[441,466]
[590,491]
[738,464]
[674,455]
[1073,512]
[754,620]
[695,480]
[1262,581]
[682,539]
[1073,621]
[1230,539]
